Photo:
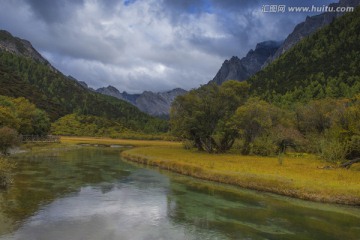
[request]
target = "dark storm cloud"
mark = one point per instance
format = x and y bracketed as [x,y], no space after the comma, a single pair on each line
[54,11]
[244,32]
[139,45]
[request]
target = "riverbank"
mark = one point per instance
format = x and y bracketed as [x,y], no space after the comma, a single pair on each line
[123,142]
[300,177]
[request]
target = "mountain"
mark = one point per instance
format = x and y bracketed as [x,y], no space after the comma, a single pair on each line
[325,64]
[81,83]
[310,26]
[242,69]
[155,104]
[110,91]
[268,51]
[158,104]
[22,48]
[25,73]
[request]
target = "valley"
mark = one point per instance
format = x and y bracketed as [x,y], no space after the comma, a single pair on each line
[159,140]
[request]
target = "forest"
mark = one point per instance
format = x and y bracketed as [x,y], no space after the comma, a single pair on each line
[323,65]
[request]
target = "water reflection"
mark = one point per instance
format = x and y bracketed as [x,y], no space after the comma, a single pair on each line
[41,178]
[251,215]
[90,193]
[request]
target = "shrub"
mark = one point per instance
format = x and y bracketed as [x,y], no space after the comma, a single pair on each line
[354,147]
[187,144]
[8,138]
[263,146]
[333,149]
[312,143]
[238,144]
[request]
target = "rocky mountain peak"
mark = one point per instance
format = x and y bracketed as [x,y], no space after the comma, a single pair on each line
[156,104]
[230,69]
[242,69]
[110,91]
[21,47]
[267,45]
[170,96]
[234,59]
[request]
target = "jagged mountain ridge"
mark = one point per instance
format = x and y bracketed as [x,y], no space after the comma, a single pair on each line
[21,47]
[80,83]
[310,26]
[242,69]
[155,104]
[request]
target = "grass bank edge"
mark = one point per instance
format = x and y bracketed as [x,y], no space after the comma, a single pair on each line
[110,141]
[313,188]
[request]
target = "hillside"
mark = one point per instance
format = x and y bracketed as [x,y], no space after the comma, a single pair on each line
[326,64]
[21,47]
[310,26]
[24,73]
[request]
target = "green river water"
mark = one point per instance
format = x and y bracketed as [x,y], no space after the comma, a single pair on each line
[89,193]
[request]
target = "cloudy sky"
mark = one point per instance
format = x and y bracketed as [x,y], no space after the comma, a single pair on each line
[138,45]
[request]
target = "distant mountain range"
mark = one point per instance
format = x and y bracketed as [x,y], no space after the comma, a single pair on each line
[155,104]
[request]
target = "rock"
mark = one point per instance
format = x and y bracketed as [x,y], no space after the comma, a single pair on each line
[242,69]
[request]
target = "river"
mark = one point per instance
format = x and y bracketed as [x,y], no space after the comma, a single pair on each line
[91,193]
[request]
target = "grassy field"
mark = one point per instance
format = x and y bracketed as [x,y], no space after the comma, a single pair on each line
[300,177]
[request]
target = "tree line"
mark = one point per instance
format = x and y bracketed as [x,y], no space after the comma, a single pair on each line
[93,126]
[217,119]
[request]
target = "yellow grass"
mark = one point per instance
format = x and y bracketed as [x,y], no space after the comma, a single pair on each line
[300,177]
